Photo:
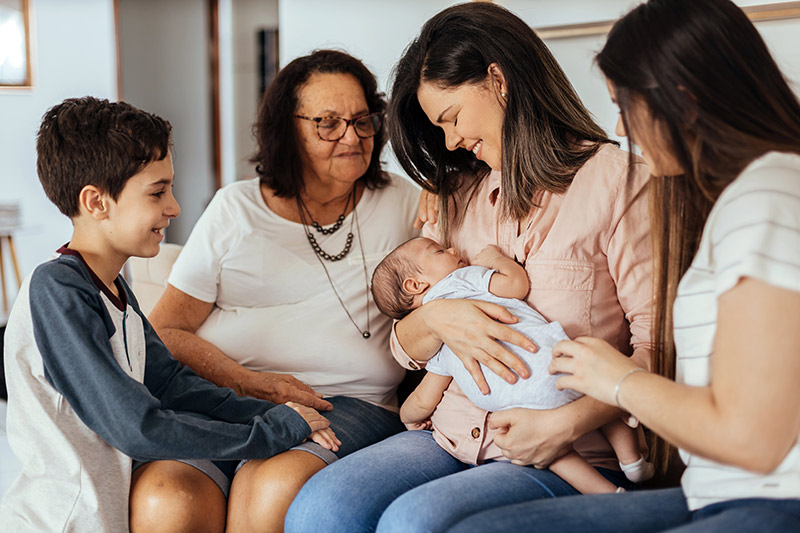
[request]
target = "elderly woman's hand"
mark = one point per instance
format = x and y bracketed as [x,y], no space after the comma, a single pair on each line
[283,388]
[471,329]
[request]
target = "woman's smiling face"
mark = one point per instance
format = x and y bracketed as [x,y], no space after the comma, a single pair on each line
[470,115]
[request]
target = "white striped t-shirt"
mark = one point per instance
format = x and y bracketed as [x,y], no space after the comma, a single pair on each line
[752,231]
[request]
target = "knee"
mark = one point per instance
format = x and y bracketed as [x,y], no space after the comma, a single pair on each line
[263,486]
[308,509]
[324,503]
[263,490]
[407,514]
[181,498]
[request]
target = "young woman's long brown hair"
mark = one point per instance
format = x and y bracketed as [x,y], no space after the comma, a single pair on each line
[547,133]
[720,100]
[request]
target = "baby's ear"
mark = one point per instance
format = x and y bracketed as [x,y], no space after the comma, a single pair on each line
[415,286]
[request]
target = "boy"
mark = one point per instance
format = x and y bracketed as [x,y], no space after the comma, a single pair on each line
[419,271]
[90,383]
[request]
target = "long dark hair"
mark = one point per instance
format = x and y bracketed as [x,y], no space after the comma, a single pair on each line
[546,128]
[278,162]
[715,93]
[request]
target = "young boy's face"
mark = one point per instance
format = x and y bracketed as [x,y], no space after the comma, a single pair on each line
[137,219]
[435,262]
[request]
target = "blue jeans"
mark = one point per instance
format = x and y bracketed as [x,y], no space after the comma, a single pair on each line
[639,512]
[357,424]
[409,483]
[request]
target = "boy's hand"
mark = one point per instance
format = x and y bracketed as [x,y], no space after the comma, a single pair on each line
[327,439]
[488,256]
[315,420]
[415,426]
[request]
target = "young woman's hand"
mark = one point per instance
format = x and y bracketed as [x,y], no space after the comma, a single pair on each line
[471,329]
[591,366]
[532,437]
[428,209]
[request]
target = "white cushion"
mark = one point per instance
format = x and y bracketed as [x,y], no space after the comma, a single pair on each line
[148,275]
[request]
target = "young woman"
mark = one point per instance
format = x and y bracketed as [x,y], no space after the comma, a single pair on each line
[720,129]
[478,92]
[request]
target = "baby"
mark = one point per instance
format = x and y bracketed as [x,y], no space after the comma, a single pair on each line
[419,271]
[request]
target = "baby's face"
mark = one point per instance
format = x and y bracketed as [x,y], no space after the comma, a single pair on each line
[434,261]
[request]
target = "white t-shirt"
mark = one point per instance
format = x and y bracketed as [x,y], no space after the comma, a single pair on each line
[752,231]
[275,309]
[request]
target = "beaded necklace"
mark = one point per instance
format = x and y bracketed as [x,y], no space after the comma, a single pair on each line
[321,254]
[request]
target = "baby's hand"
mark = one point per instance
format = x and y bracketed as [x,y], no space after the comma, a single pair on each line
[326,438]
[414,426]
[488,256]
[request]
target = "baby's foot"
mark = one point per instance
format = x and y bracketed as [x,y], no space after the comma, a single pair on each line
[638,471]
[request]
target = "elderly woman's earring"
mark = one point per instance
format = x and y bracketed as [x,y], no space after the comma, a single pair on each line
[503,95]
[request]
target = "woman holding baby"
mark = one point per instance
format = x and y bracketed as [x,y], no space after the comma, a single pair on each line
[482,115]
[719,127]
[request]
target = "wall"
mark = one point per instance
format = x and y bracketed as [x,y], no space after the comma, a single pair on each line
[73,55]
[166,70]
[378,31]
[576,54]
[249,16]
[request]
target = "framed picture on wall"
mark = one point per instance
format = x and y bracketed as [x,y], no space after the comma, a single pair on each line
[267,58]
[760,11]
[15,46]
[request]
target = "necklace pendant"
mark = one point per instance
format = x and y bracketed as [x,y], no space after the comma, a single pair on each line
[322,254]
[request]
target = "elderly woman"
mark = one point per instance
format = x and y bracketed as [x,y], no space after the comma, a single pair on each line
[270,296]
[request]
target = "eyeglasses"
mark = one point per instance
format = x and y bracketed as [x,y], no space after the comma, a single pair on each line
[333,128]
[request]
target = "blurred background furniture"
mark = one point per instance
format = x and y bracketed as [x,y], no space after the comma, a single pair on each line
[147,276]
[9,222]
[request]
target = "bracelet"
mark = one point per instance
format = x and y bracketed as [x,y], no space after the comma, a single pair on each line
[619,384]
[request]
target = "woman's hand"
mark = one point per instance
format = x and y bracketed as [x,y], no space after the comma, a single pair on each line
[428,209]
[471,329]
[529,437]
[591,366]
[283,388]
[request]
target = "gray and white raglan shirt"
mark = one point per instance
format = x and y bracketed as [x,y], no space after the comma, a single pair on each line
[91,386]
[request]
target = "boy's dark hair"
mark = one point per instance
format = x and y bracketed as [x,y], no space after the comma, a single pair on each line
[89,141]
[387,283]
